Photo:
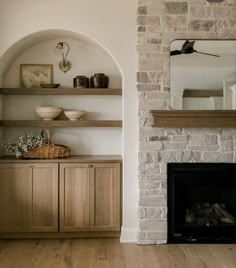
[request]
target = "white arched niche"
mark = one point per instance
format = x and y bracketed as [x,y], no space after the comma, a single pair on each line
[87,57]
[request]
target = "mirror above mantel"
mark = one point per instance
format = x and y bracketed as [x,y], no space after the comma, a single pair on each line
[202,85]
[203,81]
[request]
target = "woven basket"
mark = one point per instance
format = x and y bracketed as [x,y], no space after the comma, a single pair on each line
[49,150]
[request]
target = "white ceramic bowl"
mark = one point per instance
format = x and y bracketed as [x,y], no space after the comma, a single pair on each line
[74,115]
[48,113]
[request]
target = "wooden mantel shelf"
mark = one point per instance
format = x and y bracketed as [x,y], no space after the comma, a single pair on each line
[61,91]
[196,119]
[61,123]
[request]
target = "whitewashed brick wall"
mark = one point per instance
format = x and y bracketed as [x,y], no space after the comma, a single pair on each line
[159,22]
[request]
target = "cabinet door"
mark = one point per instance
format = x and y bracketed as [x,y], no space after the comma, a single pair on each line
[105,197]
[74,197]
[43,198]
[13,198]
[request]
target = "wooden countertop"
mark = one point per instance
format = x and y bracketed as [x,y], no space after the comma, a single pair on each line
[70,159]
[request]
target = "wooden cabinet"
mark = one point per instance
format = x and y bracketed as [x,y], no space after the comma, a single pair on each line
[13,198]
[105,197]
[43,198]
[74,197]
[28,198]
[60,198]
[90,197]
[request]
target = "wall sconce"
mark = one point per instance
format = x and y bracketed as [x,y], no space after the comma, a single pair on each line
[64,65]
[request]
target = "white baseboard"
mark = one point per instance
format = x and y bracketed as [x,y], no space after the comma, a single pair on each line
[128,235]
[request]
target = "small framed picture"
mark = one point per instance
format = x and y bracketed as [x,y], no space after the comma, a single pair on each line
[33,75]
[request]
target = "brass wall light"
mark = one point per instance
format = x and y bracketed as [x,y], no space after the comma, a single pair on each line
[64,65]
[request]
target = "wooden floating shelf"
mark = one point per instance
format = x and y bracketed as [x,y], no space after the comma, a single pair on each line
[196,119]
[61,91]
[61,123]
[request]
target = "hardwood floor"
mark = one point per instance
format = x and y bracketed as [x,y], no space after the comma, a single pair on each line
[108,252]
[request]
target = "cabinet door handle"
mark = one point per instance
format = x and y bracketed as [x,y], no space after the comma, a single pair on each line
[88,165]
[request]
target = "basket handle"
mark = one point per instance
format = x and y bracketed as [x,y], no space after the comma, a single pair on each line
[45,130]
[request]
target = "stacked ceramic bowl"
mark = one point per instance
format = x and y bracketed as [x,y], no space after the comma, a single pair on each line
[51,113]
[74,114]
[48,113]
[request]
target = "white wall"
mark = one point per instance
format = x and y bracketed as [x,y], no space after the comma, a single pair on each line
[113,25]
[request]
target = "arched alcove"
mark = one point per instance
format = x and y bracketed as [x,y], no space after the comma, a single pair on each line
[87,57]
[38,37]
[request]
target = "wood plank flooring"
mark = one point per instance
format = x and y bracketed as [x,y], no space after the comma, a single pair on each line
[109,253]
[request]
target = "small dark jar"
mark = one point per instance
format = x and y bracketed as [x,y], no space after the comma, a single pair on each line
[81,81]
[99,80]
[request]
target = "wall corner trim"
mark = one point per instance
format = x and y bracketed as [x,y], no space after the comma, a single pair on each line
[128,235]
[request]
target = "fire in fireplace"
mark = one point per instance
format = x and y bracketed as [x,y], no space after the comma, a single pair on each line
[201,202]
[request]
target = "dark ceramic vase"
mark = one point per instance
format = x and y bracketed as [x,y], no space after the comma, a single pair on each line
[81,81]
[99,80]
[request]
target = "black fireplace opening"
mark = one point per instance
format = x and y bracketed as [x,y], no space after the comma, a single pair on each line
[201,202]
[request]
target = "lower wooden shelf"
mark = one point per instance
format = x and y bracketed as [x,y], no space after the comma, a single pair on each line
[196,119]
[61,123]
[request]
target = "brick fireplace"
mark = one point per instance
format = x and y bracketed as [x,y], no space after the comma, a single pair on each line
[158,24]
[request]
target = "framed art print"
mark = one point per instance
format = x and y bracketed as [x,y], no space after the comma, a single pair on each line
[33,75]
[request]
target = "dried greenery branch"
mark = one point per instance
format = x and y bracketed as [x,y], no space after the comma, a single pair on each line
[23,144]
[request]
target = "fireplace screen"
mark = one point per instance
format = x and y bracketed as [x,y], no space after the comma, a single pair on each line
[201,202]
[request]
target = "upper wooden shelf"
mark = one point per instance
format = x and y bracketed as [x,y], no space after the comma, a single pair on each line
[61,123]
[196,119]
[61,91]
